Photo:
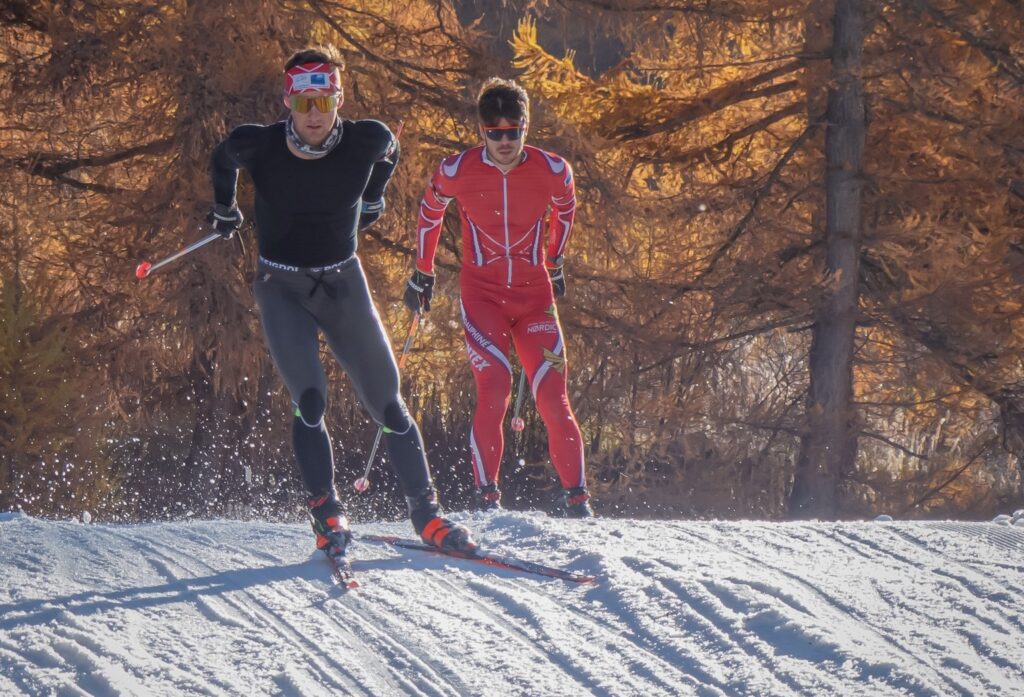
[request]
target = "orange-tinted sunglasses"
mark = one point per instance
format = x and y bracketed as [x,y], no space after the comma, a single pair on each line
[323,103]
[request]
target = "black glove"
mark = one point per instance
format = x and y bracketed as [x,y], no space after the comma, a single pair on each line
[418,291]
[225,220]
[557,277]
[369,213]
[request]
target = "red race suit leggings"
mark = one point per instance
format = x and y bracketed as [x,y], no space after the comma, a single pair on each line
[493,317]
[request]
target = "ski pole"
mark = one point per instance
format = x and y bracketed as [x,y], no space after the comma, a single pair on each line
[363,483]
[517,422]
[146,268]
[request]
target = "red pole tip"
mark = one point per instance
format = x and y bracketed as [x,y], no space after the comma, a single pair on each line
[142,270]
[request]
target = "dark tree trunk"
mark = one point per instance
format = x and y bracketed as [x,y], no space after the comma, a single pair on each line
[829,449]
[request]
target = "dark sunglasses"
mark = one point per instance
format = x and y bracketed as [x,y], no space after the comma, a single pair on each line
[496,133]
[323,103]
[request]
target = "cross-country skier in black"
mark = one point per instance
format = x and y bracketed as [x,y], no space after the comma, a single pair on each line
[317,178]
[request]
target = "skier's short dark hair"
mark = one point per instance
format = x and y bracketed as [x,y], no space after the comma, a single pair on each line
[500,98]
[324,53]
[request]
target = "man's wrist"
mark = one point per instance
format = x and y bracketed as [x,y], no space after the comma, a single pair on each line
[223,211]
[421,280]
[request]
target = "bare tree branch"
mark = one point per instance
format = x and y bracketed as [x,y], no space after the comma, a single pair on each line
[932,492]
[726,144]
[711,102]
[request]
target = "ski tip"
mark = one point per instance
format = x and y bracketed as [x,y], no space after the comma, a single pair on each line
[345,580]
[341,572]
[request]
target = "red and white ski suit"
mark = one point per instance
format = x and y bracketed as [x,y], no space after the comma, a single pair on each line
[506,292]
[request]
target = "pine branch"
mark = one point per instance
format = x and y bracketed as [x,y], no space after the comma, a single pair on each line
[938,343]
[318,7]
[741,226]
[25,14]
[729,11]
[893,444]
[726,144]
[423,90]
[711,102]
[404,249]
[55,165]
[999,56]
[949,480]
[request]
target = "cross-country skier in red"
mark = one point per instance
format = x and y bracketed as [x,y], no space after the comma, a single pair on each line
[516,203]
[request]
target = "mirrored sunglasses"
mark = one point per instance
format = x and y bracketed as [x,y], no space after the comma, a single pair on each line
[323,103]
[496,133]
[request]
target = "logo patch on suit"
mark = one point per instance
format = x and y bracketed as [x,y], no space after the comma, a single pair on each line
[475,359]
[556,164]
[451,168]
[555,361]
[542,328]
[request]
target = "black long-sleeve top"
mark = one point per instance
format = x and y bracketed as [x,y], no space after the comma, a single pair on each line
[307,211]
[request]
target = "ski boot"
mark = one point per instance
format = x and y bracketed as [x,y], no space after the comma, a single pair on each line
[577,503]
[435,530]
[446,535]
[329,524]
[488,498]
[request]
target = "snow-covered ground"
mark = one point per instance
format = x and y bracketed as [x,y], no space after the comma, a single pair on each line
[707,608]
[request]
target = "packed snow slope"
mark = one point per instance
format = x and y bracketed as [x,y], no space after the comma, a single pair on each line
[706,608]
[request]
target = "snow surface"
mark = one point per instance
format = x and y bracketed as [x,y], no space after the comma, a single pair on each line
[706,608]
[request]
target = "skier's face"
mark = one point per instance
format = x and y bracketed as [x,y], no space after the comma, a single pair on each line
[504,141]
[313,114]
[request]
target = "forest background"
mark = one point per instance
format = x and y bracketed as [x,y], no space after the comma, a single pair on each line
[794,281]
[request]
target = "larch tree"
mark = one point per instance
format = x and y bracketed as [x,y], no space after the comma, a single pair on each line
[829,450]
